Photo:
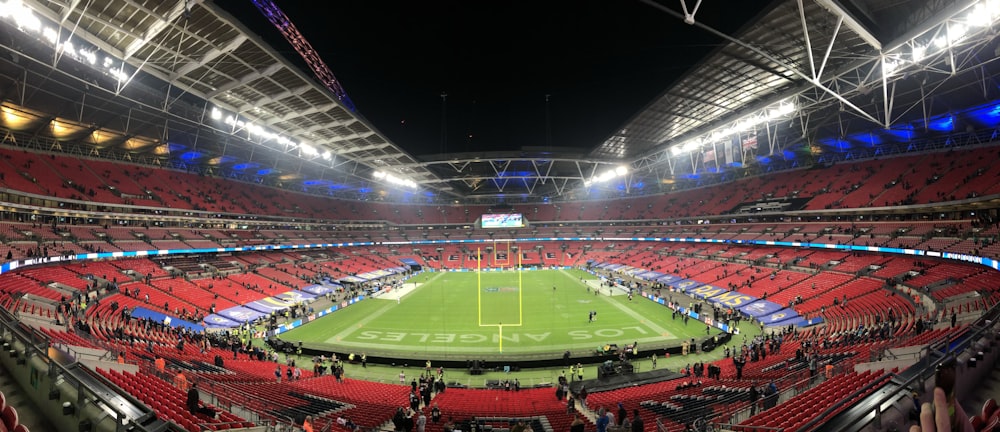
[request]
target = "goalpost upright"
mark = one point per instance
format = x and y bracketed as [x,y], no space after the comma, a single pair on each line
[520,291]
[479,285]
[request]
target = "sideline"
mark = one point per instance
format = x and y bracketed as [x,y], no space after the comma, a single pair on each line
[639,318]
[385,308]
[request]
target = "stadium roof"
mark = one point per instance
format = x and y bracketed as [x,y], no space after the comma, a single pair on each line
[186,85]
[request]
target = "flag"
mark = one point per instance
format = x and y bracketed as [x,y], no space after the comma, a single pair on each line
[750,142]
[727,150]
[708,156]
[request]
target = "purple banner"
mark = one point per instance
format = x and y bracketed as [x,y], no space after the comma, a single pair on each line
[732,299]
[760,308]
[240,314]
[172,321]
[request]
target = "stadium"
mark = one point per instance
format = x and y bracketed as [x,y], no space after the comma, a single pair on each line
[801,232]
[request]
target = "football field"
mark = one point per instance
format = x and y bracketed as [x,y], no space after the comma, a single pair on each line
[509,312]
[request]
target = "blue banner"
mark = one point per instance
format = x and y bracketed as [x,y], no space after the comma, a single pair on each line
[319,290]
[269,304]
[732,299]
[218,321]
[685,284]
[240,314]
[760,308]
[706,291]
[172,321]
[779,317]
[295,296]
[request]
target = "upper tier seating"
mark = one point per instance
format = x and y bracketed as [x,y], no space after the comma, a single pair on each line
[958,175]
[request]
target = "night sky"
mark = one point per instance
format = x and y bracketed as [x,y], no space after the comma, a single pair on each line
[598,62]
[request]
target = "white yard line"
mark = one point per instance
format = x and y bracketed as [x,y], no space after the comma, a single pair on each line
[630,312]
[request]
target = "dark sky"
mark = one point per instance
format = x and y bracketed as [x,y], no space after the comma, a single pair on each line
[599,62]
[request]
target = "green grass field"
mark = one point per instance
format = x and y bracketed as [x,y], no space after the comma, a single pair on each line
[453,313]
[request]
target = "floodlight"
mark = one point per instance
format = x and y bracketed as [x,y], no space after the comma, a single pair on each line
[50,35]
[957,32]
[980,16]
[888,67]
[621,170]
[216,114]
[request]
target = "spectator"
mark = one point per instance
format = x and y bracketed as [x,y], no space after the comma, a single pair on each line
[193,398]
[602,420]
[421,422]
[518,427]
[180,381]
[435,414]
[637,425]
[577,425]
[307,424]
[399,420]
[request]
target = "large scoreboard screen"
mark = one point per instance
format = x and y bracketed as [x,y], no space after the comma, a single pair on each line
[505,220]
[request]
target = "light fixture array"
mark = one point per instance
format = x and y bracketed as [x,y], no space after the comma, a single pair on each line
[26,21]
[947,35]
[620,171]
[744,124]
[392,179]
[263,135]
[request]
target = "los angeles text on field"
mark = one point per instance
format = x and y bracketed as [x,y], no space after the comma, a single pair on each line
[531,312]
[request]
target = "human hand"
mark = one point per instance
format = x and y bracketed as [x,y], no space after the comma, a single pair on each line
[934,418]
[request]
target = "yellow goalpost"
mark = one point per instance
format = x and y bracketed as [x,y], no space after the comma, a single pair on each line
[496,255]
[479,291]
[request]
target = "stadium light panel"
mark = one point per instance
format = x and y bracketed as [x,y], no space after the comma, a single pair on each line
[957,32]
[391,179]
[50,35]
